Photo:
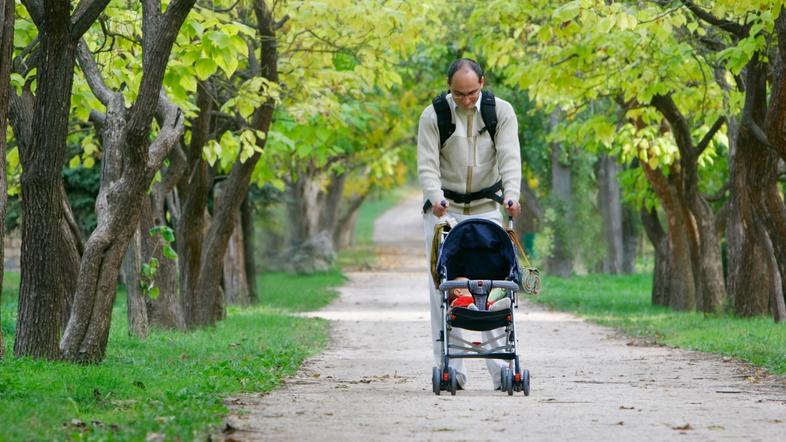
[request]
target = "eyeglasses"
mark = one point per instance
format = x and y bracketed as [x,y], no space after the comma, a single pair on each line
[462,95]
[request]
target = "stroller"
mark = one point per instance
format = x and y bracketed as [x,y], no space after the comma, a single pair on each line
[485,253]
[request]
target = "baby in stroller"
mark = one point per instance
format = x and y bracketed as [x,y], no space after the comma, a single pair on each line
[461,297]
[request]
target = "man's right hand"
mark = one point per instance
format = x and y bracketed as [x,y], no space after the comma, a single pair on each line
[441,209]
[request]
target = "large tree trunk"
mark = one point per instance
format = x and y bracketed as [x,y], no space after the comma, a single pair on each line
[6,47]
[661,275]
[682,288]
[43,287]
[192,223]
[123,189]
[610,203]
[304,208]
[249,248]
[560,263]
[331,203]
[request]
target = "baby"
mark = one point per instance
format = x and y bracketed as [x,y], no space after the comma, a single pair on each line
[461,297]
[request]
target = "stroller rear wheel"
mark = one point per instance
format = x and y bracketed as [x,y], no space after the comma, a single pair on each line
[507,378]
[452,380]
[436,380]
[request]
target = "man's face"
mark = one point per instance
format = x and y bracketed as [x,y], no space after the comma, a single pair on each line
[465,87]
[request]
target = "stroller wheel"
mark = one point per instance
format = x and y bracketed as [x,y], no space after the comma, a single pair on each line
[525,382]
[436,380]
[508,381]
[453,382]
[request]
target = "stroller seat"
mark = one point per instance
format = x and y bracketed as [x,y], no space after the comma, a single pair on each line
[479,320]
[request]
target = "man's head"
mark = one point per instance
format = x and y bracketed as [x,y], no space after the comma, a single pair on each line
[465,80]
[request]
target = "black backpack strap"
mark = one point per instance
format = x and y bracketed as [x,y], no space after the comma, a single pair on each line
[444,118]
[488,111]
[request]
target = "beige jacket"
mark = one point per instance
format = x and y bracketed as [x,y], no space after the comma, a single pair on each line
[469,161]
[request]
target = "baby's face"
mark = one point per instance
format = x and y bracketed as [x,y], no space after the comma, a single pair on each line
[461,292]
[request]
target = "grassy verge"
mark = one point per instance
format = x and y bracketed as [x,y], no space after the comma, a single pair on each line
[362,251]
[624,302]
[172,384]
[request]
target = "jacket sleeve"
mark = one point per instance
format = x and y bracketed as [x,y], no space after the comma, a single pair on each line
[428,157]
[508,151]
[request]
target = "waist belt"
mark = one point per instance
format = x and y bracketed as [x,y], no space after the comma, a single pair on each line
[465,198]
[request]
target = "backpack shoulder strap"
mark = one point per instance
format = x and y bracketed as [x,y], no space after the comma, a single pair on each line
[444,118]
[488,111]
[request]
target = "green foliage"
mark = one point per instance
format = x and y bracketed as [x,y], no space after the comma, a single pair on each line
[624,302]
[147,277]
[172,385]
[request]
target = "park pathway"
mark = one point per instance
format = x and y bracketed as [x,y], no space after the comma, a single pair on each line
[588,382]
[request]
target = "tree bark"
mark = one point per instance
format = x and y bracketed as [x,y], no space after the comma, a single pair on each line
[138,323]
[234,278]
[124,190]
[304,207]
[610,204]
[682,287]
[630,240]
[560,263]
[6,48]
[249,248]
[662,274]
[43,287]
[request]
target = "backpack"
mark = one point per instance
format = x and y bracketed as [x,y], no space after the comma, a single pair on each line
[488,112]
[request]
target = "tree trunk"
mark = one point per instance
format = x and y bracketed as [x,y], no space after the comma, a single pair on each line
[682,288]
[123,190]
[661,275]
[560,263]
[304,209]
[234,263]
[249,248]
[138,324]
[6,48]
[630,240]
[208,279]
[43,287]
[610,203]
[332,203]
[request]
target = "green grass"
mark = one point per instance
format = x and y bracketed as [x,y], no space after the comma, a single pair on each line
[623,302]
[173,383]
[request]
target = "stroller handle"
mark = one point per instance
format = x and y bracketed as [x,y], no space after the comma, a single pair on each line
[492,283]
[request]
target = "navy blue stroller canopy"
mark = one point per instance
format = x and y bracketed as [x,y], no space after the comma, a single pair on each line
[478,249]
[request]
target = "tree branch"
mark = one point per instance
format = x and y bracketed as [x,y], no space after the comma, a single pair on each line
[87,12]
[756,130]
[728,26]
[679,125]
[709,135]
[93,76]
[172,129]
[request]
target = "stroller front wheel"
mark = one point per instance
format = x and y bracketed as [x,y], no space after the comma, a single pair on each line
[452,380]
[436,380]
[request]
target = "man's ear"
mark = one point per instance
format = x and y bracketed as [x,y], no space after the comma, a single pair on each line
[482,81]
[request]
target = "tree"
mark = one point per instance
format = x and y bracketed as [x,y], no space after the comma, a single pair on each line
[7,9]
[130,163]
[49,247]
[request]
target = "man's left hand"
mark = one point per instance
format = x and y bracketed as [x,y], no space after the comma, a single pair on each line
[513,208]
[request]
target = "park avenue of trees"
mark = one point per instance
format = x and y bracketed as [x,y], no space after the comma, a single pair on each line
[199,122]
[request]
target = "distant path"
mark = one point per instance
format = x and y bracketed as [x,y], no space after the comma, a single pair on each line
[588,382]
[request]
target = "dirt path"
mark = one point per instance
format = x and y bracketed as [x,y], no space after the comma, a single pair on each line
[588,383]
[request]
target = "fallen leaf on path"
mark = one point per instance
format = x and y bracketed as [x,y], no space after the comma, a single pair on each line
[684,427]
[622,407]
[621,423]
[228,428]
[716,427]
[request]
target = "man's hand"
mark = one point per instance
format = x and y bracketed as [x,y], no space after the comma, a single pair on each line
[439,210]
[513,208]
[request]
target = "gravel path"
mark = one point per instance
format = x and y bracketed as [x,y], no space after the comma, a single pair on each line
[588,382]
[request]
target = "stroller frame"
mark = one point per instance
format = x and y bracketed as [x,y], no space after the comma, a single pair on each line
[512,377]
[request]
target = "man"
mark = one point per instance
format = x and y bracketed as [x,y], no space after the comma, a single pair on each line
[469,161]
